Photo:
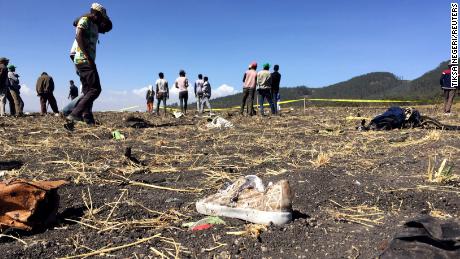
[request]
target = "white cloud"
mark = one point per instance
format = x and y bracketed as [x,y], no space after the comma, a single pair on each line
[223,90]
[25,90]
[118,92]
[141,91]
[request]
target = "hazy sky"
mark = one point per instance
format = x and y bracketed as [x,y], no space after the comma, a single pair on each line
[315,43]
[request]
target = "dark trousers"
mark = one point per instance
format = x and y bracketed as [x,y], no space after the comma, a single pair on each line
[275,94]
[265,94]
[48,97]
[159,100]
[448,99]
[250,107]
[91,87]
[183,98]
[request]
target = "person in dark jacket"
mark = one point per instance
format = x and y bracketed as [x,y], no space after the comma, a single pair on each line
[73,91]
[276,79]
[449,91]
[15,92]
[45,89]
[83,54]
[4,83]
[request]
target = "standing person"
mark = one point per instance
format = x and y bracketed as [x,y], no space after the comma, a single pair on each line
[83,53]
[45,89]
[150,97]
[249,88]
[449,91]
[264,89]
[182,84]
[3,84]
[206,95]
[15,92]
[73,91]
[276,79]
[199,91]
[162,92]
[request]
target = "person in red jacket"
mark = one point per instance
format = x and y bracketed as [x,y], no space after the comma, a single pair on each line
[449,91]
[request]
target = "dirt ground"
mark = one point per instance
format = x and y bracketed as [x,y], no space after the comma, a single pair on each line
[353,190]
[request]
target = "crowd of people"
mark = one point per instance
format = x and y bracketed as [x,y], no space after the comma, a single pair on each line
[266,85]
[83,54]
[202,91]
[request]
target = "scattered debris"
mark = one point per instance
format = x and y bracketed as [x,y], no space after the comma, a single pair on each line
[178,115]
[27,204]
[425,237]
[249,200]
[138,123]
[204,223]
[117,135]
[219,122]
[398,117]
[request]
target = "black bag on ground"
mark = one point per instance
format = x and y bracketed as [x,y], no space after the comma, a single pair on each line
[425,237]
[393,118]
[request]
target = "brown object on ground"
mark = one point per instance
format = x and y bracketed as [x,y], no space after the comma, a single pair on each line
[27,204]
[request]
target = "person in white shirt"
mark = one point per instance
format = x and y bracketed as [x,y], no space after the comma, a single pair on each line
[182,84]
[162,92]
[199,91]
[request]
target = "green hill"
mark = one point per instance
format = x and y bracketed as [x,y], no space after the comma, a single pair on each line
[376,85]
[369,86]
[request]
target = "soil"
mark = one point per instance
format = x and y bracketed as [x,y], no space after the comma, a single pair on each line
[334,171]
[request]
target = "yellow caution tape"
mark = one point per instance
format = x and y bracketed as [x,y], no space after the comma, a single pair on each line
[319,100]
[360,100]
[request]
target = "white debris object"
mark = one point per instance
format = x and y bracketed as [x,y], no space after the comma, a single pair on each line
[178,114]
[219,122]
